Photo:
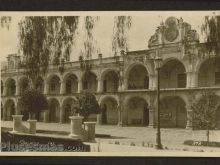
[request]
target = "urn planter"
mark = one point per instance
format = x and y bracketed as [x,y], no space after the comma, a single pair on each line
[32,126]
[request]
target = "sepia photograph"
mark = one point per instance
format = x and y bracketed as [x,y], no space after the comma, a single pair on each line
[134,83]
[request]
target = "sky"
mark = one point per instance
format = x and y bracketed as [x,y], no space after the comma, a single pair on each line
[144,25]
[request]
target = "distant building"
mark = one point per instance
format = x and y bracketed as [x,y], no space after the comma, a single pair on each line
[125,85]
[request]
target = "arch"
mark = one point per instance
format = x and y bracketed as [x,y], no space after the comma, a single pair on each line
[71,83]
[9,109]
[39,84]
[89,81]
[173,112]
[54,84]
[109,110]
[137,111]
[137,76]
[10,87]
[54,110]
[110,81]
[23,83]
[173,74]
[67,107]
[128,69]
[209,73]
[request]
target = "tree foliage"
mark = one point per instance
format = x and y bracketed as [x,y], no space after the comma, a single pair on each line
[86,105]
[122,25]
[5,21]
[204,111]
[44,38]
[33,101]
[211,30]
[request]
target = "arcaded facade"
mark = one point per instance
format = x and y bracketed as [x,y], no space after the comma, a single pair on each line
[125,85]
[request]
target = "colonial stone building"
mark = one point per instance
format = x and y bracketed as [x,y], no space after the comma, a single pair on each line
[125,85]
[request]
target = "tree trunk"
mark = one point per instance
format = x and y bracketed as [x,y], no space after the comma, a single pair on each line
[207,134]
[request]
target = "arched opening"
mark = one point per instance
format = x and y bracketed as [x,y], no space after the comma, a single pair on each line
[67,109]
[9,109]
[39,84]
[24,84]
[71,84]
[89,81]
[11,87]
[54,111]
[54,85]
[2,88]
[173,112]
[137,112]
[109,112]
[209,73]
[138,78]
[172,75]
[110,82]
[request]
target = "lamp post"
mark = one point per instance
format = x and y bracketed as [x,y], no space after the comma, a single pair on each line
[158,61]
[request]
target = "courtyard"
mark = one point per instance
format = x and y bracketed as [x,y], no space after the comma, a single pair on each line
[113,138]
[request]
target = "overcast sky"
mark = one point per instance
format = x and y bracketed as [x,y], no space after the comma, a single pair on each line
[143,26]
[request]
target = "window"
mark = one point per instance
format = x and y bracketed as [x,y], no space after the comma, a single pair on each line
[53,86]
[181,80]
[217,78]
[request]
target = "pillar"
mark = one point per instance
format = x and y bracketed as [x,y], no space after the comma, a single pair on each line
[61,115]
[76,127]
[192,79]
[17,123]
[120,116]
[153,81]
[80,86]
[90,130]
[32,126]
[189,117]
[125,84]
[46,88]
[46,116]
[62,87]
[100,86]
[18,89]
[151,117]
[99,119]
[124,116]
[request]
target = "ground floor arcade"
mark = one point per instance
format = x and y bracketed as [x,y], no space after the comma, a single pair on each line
[128,109]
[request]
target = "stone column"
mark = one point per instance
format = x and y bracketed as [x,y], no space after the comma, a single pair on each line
[124,116]
[76,127]
[18,89]
[61,116]
[46,88]
[46,116]
[100,86]
[151,117]
[90,130]
[192,79]
[119,116]
[152,81]
[189,117]
[17,123]
[62,87]
[125,84]
[32,126]
[99,119]
[80,86]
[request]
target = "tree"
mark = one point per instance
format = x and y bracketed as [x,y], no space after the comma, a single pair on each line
[5,21]
[43,39]
[211,30]
[122,25]
[32,101]
[204,111]
[86,105]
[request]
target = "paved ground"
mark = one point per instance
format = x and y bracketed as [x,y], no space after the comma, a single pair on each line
[139,136]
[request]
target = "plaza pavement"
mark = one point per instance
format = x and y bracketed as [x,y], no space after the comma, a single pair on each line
[172,138]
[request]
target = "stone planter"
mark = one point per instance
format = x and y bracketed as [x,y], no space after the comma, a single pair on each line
[32,126]
[17,123]
[76,127]
[90,129]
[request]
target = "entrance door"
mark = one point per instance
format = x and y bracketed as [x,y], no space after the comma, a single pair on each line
[145,117]
[104,114]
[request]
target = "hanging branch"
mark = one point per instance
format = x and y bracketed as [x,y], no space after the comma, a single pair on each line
[211,30]
[5,21]
[43,39]
[122,25]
